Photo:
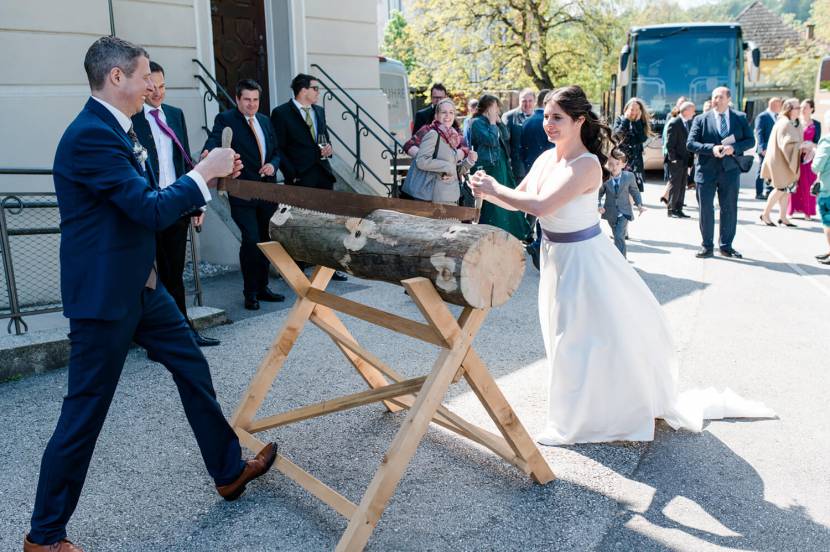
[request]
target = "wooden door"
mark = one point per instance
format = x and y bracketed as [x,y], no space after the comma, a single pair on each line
[239,46]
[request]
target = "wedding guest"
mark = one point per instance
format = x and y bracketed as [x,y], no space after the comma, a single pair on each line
[707,105]
[763,128]
[534,143]
[489,140]
[782,161]
[679,159]
[514,120]
[619,189]
[468,120]
[411,146]
[821,167]
[675,112]
[441,153]
[632,129]
[425,116]
[801,201]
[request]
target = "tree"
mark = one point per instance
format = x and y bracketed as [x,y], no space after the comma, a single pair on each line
[397,41]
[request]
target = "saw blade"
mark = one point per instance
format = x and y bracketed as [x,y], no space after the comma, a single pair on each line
[341,203]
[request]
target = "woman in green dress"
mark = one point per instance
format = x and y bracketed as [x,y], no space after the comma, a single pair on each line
[489,140]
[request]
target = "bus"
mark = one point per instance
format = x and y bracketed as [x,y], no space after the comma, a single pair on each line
[660,63]
[394,83]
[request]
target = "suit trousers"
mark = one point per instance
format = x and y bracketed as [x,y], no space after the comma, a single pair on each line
[252,218]
[620,229]
[726,186]
[171,251]
[678,178]
[759,181]
[98,350]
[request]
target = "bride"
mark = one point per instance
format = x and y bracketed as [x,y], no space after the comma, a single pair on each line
[609,376]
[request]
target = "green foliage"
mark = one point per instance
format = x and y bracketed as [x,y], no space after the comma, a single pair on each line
[397,41]
[820,17]
[799,68]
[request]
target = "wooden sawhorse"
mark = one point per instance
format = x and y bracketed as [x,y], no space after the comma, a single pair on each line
[422,395]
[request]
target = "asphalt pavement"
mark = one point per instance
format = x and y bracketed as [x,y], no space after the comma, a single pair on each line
[757,325]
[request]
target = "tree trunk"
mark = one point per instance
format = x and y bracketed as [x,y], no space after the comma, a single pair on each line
[470,264]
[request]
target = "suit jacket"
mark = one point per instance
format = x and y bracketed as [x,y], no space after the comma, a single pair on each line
[300,152]
[514,120]
[617,202]
[244,143]
[705,135]
[423,117]
[110,210]
[175,120]
[534,140]
[763,128]
[676,136]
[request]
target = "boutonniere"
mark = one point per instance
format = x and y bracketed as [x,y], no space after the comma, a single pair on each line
[140,153]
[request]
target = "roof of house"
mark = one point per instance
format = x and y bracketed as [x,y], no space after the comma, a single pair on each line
[767,30]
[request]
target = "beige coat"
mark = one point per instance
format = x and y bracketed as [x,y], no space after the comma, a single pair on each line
[446,162]
[783,158]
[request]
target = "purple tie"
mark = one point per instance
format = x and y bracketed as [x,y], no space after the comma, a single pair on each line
[169,132]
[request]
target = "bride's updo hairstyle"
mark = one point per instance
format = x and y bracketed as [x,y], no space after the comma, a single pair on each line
[595,134]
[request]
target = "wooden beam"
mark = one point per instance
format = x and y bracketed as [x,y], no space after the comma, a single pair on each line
[378,317]
[332,498]
[336,405]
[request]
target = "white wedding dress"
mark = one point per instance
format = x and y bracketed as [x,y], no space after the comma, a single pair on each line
[609,348]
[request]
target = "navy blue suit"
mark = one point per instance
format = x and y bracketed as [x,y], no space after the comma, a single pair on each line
[763,128]
[252,217]
[721,175]
[534,140]
[110,211]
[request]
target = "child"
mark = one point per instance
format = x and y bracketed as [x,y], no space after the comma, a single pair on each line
[617,189]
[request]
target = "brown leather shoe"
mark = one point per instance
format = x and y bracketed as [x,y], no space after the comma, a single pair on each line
[260,464]
[60,546]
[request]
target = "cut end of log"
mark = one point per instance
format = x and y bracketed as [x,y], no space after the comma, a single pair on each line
[492,269]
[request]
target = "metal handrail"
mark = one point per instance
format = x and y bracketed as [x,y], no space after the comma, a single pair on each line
[219,87]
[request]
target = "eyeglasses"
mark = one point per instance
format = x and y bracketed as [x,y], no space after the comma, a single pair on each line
[315,88]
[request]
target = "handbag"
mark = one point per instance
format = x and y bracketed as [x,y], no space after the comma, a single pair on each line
[745,162]
[815,188]
[420,184]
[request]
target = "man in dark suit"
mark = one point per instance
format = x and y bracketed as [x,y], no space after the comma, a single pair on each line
[677,132]
[426,115]
[303,139]
[514,120]
[161,129]
[111,208]
[763,128]
[254,141]
[717,136]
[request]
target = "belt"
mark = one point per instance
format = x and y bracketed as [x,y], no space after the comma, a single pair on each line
[571,237]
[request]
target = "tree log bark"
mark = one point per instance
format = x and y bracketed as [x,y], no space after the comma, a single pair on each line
[472,265]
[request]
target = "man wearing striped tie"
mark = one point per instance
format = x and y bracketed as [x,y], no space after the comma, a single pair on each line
[718,136]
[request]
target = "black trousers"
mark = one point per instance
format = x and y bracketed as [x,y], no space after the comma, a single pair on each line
[97,352]
[171,248]
[252,218]
[678,178]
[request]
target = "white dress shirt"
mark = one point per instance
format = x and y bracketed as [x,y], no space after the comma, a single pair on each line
[302,109]
[260,136]
[164,147]
[127,124]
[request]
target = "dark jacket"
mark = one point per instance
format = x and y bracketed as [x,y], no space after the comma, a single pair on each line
[763,128]
[705,135]
[632,136]
[423,117]
[618,203]
[534,140]
[244,143]
[175,120]
[514,120]
[489,141]
[110,209]
[676,136]
[301,162]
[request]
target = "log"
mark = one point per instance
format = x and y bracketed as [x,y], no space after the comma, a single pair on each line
[474,265]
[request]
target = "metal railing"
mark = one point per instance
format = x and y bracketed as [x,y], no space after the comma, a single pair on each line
[365,126]
[30,243]
[216,93]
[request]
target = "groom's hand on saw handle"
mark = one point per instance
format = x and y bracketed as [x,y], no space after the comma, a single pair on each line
[219,163]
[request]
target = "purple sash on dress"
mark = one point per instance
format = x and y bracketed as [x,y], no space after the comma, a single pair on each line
[571,237]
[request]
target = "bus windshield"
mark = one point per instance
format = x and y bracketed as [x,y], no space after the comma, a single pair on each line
[684,64]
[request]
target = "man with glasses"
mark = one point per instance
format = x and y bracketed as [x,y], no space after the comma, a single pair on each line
[426,115]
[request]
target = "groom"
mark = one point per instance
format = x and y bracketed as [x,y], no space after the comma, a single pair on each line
[111,208]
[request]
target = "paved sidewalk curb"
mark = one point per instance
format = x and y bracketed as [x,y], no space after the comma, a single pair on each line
[38,351]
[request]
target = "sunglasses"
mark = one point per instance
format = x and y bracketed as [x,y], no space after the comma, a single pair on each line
[315,88]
